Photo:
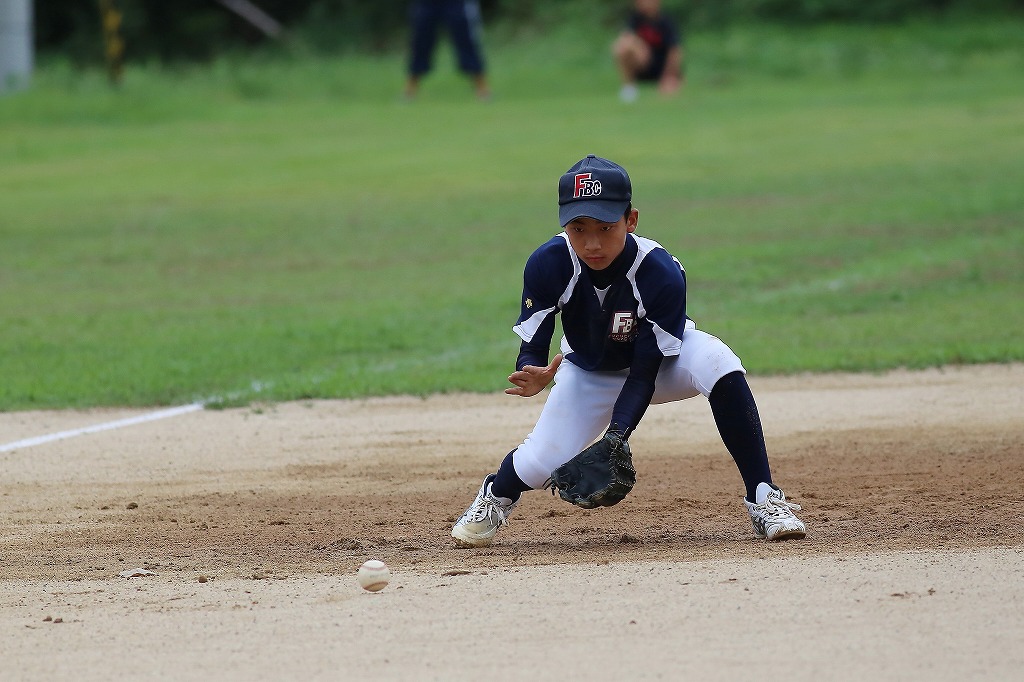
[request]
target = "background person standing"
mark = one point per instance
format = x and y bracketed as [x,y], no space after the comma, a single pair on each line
[464,24]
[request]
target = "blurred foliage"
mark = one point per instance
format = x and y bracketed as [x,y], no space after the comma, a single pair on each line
[199,30]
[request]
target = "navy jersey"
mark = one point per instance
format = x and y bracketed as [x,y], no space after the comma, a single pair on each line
[632,323]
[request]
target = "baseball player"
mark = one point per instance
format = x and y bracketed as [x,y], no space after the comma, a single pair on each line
[627,343]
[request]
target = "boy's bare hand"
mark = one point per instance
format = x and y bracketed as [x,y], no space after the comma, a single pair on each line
[531,380]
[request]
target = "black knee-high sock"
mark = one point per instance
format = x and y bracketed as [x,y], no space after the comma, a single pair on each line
[507,482]
[732,403]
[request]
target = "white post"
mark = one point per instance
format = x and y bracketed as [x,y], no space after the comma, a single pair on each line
[15,44]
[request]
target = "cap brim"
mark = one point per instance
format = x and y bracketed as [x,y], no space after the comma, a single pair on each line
[605,211]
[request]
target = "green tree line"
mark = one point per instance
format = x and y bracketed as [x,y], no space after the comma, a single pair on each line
[201,29]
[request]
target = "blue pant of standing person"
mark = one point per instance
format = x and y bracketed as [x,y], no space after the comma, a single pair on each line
[464,25]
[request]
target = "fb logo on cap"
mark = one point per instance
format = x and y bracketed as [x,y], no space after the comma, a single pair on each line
[585,186]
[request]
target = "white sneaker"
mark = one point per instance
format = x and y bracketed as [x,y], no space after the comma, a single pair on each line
[774,519]
[629,93]
[478,525]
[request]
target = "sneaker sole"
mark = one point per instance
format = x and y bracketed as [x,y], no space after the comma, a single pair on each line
[787,535]
[470,541]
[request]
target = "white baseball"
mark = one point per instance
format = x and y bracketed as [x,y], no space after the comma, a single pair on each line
[374,575]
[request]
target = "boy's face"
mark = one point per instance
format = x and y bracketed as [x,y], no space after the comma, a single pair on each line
[598,243]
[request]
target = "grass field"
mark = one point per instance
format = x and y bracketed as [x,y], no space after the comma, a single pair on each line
[282,226]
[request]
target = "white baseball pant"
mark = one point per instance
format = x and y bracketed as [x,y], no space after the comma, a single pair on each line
[579,406]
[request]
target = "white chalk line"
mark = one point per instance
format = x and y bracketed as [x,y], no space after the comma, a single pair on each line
[61,435]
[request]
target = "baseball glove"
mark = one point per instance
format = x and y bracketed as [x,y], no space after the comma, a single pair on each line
[600,476]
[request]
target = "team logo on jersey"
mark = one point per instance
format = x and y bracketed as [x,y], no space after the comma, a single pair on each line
[586,186]
[528,303]
[623,326]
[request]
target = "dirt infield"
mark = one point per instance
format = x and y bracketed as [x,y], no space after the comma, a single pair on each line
[254,521]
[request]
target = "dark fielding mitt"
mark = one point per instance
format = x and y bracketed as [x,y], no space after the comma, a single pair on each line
[600,476]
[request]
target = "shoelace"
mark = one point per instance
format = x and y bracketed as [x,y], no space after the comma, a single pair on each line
[775,507]
[486,506]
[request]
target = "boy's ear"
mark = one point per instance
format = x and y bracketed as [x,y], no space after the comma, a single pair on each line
[632,219]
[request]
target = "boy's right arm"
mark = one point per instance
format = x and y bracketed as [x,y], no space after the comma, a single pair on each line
[531,380]
[547,273]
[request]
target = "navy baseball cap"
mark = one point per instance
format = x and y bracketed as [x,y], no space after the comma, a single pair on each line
[594,188]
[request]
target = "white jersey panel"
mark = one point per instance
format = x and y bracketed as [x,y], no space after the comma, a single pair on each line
[527,328]
[668,343]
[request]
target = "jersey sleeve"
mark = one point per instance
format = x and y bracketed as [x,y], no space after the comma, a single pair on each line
[637,391]
[547,279]
[661,290]
[536,352]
